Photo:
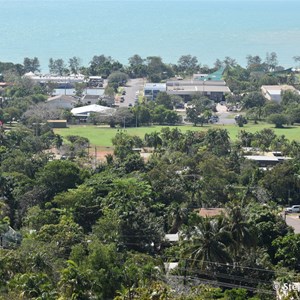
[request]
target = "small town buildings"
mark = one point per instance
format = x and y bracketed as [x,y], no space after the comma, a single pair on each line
[62,101]
[213,89]
[61,80]
[211,212]
[90,99]
[274,92]
[210,85]
[95,81]
[267,161]
[151,90]
[85,111]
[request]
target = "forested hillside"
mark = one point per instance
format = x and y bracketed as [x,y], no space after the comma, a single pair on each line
[78,228]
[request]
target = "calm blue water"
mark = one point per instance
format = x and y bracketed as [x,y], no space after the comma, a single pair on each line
[206,29]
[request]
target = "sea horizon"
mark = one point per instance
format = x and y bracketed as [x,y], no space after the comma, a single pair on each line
[209,30]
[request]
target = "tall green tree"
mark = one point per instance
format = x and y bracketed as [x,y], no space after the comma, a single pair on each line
[217,141]
[31,64]
[74,64]
[206,242]
[238,225]
[59,176]
[188,64]
[57,66]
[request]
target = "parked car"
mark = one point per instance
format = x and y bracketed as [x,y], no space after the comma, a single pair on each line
[293,209]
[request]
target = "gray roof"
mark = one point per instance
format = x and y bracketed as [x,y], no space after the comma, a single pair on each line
[196,83]
[159,86]
[62,98]
[182,90]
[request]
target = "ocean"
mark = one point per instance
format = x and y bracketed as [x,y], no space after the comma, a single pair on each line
[205,29]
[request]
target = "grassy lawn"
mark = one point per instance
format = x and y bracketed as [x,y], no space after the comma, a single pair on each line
[102,136]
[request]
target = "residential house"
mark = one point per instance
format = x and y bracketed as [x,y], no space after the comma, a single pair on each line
[83,112]
[62,101]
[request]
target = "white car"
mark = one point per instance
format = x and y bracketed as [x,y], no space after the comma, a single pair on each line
[293,209]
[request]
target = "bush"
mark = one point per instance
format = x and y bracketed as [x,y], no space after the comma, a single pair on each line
[278,120]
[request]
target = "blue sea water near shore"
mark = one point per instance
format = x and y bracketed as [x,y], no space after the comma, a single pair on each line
[207,29]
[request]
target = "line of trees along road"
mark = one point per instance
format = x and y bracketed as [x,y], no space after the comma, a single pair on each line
[153,67]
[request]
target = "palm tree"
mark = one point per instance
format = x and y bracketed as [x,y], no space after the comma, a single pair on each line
[207,242]
[177,215]
[218,141]
[239,228]
[153,139]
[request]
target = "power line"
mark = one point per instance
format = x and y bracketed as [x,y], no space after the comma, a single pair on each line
[226,284]
[231,265]
[215,273]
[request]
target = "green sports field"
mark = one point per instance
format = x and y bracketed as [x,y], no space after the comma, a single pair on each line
[102,136]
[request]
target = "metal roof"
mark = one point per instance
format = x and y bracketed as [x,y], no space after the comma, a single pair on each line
[93,108]
[155,86]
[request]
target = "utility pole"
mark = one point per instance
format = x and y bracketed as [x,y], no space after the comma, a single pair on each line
[185,272]
[136,120]
[95,157]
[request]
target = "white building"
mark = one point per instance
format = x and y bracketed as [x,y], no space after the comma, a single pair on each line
[85,111]
[273,92]
[152,89]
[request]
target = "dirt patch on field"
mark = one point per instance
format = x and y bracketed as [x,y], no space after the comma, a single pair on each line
[100,152]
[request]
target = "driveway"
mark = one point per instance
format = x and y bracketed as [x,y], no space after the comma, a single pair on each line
[293,221]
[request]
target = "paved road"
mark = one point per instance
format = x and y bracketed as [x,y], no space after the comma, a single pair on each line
[294,221]
[133,87]
[224,114]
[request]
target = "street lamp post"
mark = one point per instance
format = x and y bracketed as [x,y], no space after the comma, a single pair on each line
[203,85]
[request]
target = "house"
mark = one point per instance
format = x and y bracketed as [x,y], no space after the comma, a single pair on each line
[62,101]
[273,92]
[90,99]
[85,111]
[210,212]
[267,161]
[72,92]
[69,80]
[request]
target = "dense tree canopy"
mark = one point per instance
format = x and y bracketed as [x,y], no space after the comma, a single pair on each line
[72,227]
